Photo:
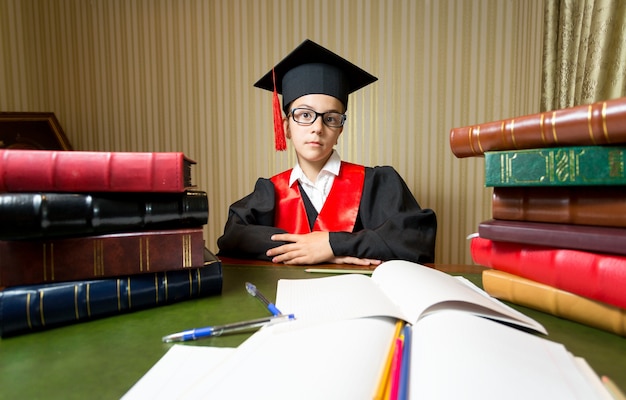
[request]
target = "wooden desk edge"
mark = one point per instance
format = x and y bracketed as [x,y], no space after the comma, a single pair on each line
[448,268]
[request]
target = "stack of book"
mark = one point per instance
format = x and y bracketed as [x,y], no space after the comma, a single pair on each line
[90,234]
[557,240]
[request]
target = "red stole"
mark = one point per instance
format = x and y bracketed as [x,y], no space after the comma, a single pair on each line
[339,211]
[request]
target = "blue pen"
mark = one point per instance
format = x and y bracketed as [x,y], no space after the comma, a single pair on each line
[217,330]
[255,292]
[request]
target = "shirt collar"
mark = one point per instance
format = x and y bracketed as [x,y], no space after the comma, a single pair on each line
[332,166]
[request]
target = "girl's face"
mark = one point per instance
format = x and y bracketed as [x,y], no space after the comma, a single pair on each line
[314,143]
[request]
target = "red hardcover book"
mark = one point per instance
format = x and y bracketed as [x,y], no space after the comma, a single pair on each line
[596,276]
[600,239]
[92,171]
[599,123]
[31,262]
[600,205]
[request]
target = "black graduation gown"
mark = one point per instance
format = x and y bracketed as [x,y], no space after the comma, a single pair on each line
[390,223]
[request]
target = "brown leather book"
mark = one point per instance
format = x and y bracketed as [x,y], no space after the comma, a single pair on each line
[102,256]
[599,123]
[598,205]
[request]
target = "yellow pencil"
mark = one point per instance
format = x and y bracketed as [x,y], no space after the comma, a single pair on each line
[384,378]
[613,389]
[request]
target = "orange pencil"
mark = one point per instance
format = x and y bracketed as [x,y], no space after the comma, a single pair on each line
[383,383]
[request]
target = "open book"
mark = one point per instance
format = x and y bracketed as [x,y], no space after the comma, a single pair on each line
[337,347]
[398,289]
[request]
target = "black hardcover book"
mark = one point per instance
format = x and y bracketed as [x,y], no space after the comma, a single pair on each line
[32,308]
[46,215]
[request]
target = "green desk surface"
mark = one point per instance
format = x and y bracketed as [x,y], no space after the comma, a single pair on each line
[102,359]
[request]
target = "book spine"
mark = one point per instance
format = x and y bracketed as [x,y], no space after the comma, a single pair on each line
[597,276]
[104,256]
[593,124]
[602,206]
[87,171]
[588,238]
[560,303]
[38,307]
[559,166]
[47,215]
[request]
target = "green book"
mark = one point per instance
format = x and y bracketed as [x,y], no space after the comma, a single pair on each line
[556,166]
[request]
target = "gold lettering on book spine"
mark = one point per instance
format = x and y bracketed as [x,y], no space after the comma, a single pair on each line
[604,130]
[98,258]
[88,296]
[470,137]
[119,294]
[513,133]
[198,276]
[589,125]
[76,314]
[144,254]
[502,131]
[156,288]
[41,315]
[28,320]
[165,286]
[554,135]
[480,146]
[616,164]
[186,250]
[128,292]
[564,165]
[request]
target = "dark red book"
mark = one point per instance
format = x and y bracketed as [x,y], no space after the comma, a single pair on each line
[580,237]
[31,262]
[600,123]
[598,205]
[93,171]
[596,276]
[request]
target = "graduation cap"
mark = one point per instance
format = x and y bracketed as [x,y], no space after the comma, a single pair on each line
[310,69]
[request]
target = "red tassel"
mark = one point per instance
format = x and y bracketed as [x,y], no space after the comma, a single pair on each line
[279,130]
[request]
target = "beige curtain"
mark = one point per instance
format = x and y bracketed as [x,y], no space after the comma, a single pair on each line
[584,52]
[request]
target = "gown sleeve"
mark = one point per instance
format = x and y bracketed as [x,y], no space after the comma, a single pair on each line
[394,226]
[250,224]
[391,224]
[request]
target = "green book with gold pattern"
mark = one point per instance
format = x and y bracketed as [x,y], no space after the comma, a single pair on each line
[557,166]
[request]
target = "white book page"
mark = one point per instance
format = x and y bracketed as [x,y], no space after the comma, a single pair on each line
[334,298]
[181,364]
[337,360]
[456,355]
[419,290]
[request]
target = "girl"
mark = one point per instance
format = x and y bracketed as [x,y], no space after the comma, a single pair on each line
[325,210]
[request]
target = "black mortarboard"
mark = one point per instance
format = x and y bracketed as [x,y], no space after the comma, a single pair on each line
[311,69]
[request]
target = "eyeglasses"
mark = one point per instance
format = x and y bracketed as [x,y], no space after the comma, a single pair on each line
[305,116]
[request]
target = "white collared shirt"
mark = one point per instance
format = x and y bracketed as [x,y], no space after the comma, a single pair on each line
[318,191]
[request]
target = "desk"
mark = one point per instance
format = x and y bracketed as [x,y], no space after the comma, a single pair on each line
[102,359]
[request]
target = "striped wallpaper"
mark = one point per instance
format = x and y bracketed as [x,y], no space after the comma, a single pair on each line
[177,75]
